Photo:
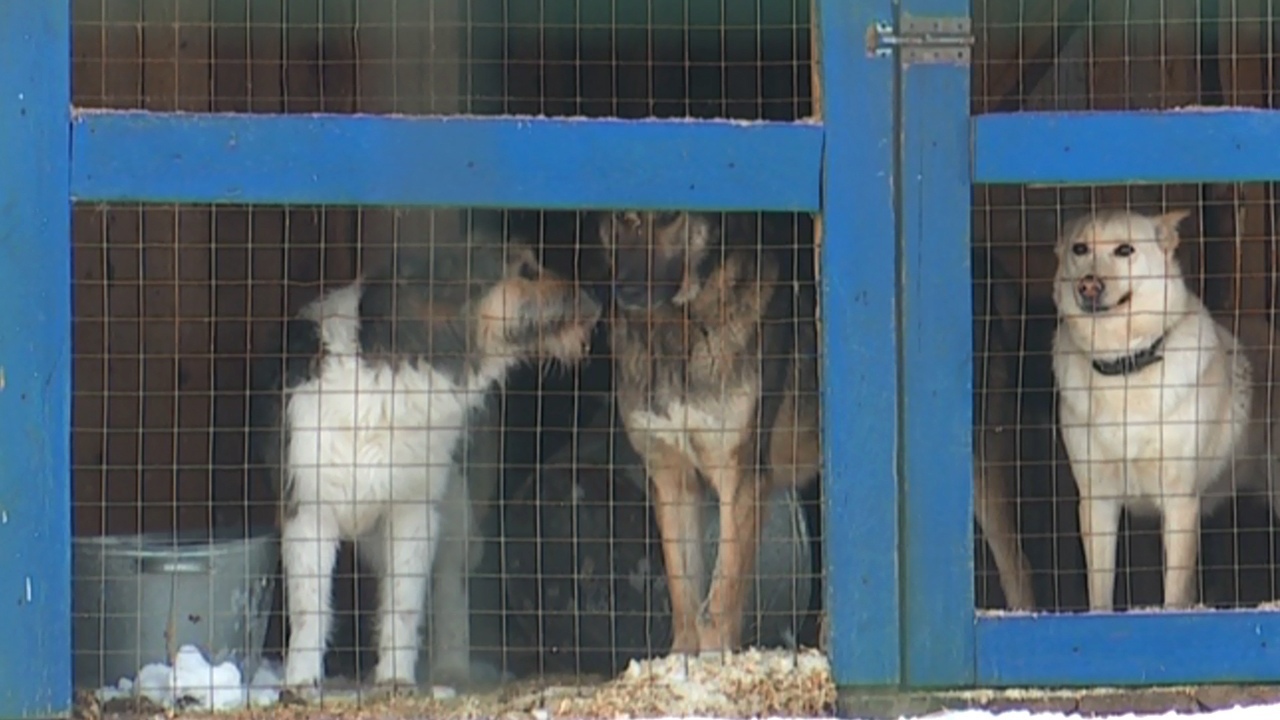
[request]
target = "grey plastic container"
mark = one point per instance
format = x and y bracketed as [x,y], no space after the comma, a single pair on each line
[131,592]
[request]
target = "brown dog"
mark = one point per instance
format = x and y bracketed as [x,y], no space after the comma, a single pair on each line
[997,311]
[715,348]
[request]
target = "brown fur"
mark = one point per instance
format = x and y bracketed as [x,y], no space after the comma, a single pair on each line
[716,375]
[997,307]
[1254,467]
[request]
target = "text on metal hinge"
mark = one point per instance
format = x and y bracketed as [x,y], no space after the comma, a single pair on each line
[923,39]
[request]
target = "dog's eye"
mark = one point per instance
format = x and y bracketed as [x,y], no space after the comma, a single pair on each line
[1080,249]
[1124,250]
[527,272]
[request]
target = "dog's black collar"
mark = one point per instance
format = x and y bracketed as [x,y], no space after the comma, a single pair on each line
[1131,363]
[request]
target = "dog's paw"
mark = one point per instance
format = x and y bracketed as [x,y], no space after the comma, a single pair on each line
[301,694]
[716,639]
[685,643]
[714,654]
[443,692]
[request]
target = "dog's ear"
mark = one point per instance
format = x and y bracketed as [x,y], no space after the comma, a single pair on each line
[1167,227]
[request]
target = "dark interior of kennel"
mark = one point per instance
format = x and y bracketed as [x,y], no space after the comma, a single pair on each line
[171,302]
[1087,54]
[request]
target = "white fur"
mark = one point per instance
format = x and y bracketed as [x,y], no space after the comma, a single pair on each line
[1158,440]
[370,456]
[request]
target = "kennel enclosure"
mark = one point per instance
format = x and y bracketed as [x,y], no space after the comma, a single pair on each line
[889,163]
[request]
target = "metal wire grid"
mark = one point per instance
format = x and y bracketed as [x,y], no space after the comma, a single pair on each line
[172,303]
[1080,55]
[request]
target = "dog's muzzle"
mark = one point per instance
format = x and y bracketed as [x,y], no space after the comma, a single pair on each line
[1090,290]
[642,281]
[640,294]
[632,294]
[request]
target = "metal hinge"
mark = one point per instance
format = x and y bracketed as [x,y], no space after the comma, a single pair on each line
[923,39]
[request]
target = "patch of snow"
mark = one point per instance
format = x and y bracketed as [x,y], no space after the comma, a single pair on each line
[1218,108]
[193,682]
[1256,712]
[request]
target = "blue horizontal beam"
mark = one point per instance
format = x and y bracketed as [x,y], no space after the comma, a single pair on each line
[516,162]
[1100,148]
[1136,648]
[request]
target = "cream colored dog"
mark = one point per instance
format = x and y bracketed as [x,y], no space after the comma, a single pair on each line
[1158,405]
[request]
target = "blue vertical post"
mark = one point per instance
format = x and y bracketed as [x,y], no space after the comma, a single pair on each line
[857,268]
[35,359]
[937,351]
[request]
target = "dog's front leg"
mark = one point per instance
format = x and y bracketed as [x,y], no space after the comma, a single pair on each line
[677,508]
[739,492]
[309,551]
[450,600]
[1181,534]
[409,541]
[1099,528]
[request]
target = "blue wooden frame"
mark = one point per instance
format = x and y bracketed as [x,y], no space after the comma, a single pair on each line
[35,358]
[857,261]
[889,169]
[945,643]
[936,326]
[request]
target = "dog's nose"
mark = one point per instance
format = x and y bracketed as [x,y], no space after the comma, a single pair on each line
[629,219]
[632,294]
[1090,287]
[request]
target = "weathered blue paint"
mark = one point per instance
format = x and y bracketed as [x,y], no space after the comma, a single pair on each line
[860,363]
[1176,146]
[35,360]
[937,368]
[1144,648]
[479,162]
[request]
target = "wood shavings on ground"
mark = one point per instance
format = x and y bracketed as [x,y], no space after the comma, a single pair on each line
[750,684]
[777,683]
[662,689]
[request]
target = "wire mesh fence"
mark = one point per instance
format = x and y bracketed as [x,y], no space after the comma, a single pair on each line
[209,501]
[179,309]
[1064,55]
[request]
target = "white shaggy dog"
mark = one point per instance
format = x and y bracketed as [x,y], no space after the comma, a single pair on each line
[381,381]
[1162,408]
